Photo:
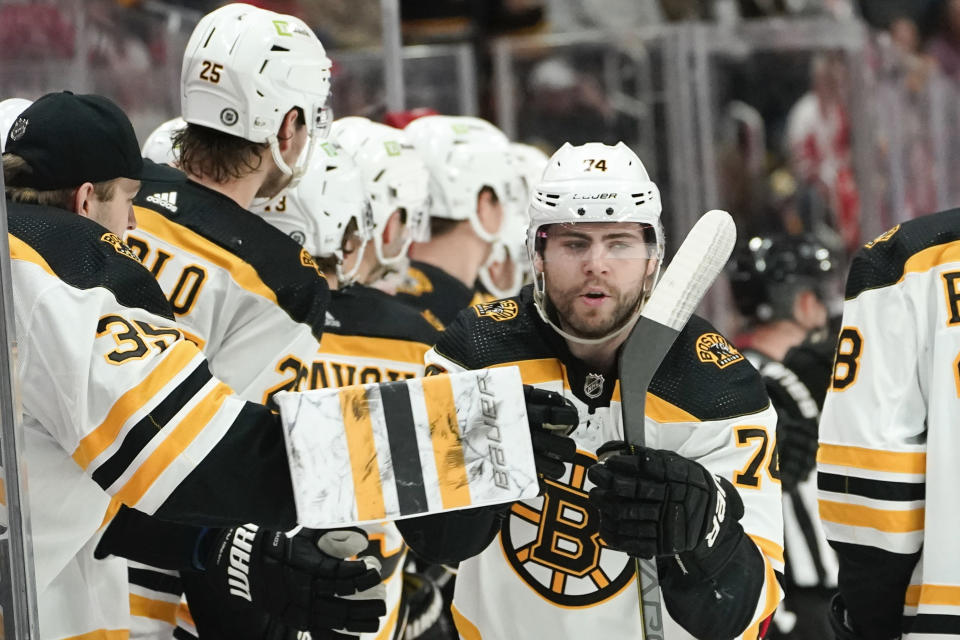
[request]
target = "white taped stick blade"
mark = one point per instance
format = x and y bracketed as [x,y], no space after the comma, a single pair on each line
[698,262]
[368,453]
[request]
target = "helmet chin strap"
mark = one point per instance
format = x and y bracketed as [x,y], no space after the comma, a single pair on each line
[297,172]
[395,260]
[350,277]
[484,235]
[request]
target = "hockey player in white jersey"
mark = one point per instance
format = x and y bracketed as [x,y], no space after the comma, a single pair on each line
[560,566]
[254,86]
[888,437]
[120,410]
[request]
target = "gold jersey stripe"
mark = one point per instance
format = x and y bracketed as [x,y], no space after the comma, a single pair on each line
[406,351]
[103,634]
[189,241]
[445,435]
[770,604]
[153,609]
[174,444]
[537,371]
[542,370]
[364,464]
[388,628]
[661,411]
[20,250]
[934,594]
[98,440]
[769,548]
[856,515]
[184,615]
[465,628]
[873,459]
[112,510]
[932,257]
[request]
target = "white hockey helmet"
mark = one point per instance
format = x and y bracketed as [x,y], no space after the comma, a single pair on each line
[394,176]
[593,182]
[317,212]
[529,163]
[10,109]
[463,154]
[159,144]
[244,68]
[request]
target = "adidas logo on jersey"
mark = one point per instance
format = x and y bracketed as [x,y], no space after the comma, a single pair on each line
[167,200]
[330,321]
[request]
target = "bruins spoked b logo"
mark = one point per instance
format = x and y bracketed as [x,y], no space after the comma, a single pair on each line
[554,545]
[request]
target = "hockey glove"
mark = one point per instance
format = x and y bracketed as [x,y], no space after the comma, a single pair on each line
[552,419]
[302,581]
[658,503]
[839,621]
[796,449]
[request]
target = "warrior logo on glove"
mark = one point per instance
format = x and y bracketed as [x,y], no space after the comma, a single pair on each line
[554,545]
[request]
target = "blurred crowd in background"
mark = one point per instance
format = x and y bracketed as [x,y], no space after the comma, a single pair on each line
[834,117]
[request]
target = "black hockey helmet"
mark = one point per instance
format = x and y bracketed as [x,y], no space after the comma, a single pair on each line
[767,272]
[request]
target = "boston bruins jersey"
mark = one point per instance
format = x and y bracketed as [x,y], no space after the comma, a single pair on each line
[250,296]
[119,408]
[434,292]
[372,337]
[369,337]
[888,435]
[547,574]
[247,293]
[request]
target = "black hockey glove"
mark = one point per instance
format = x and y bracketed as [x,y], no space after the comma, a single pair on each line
[302,582]
[658,503]
[797,442]
[552,418]
[838,620]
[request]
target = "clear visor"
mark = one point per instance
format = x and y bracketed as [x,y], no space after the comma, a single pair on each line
[596,241]
[322,121]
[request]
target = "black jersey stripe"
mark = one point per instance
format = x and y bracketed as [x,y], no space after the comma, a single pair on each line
[402,436]
[932,623]
[155,581]
[874,489]
[150,425]
[182,634]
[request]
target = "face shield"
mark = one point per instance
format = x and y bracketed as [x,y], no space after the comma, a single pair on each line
[581,242]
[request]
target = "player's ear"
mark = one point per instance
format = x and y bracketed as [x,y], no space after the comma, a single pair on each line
[393,228]
[287,129]
[83,200]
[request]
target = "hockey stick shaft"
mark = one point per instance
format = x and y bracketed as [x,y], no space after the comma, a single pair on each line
[697,263]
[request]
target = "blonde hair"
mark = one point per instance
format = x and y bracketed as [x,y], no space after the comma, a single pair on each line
[14,165]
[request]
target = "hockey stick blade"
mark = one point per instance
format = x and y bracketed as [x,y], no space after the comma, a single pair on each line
[695,266]
[697,263]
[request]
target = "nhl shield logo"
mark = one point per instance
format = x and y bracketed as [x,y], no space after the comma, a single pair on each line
[593,385]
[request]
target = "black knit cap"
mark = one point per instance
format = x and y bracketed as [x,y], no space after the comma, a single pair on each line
[70,139]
